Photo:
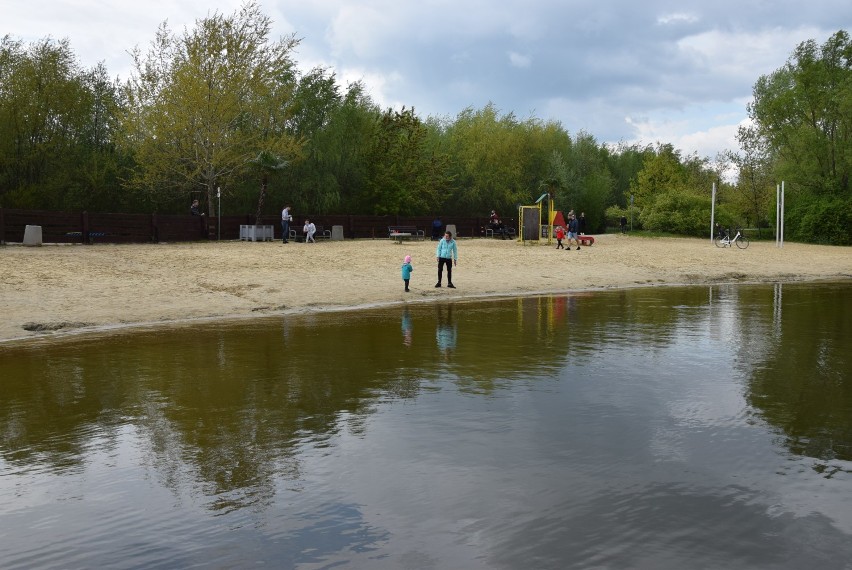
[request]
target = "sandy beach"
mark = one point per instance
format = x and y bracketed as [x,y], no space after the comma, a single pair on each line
[55,290]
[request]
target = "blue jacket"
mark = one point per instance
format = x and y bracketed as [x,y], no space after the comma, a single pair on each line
[406,270]
[447,249]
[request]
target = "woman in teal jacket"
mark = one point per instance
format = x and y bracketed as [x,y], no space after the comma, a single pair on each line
[447,253]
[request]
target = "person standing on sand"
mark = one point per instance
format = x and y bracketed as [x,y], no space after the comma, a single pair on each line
[286,218]
[447,254]
[406,271]
[572,231]
[624,224]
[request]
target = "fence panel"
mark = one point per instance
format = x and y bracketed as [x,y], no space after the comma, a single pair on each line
[72,227]
[56,227]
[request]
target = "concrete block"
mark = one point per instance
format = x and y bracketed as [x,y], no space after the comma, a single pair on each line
[337,233]
[452,229]
[32,235]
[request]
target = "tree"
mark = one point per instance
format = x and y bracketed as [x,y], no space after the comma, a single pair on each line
[204,104]
[404,175]
[57,124]
[755,181]
[266,163]
[803,112]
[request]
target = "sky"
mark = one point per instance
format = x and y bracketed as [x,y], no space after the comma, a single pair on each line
[633,72]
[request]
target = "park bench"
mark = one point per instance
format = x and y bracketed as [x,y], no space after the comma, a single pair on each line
[91,235]
[299,236]
[399,233]
[510,232]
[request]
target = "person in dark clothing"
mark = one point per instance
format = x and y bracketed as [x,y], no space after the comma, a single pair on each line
[437,226]
[573,233]
[582,223]
[195,209]
[624,224]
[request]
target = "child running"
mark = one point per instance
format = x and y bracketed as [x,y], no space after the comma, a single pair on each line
[560,235]
[406,271]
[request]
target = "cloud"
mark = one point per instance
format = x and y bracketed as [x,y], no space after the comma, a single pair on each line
[518,60]
[682,74]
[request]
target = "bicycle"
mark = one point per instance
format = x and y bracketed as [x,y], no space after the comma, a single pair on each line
[727,241]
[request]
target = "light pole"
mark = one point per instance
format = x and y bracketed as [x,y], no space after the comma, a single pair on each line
[219,218]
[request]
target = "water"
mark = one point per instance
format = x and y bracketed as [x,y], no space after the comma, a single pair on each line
[701,427]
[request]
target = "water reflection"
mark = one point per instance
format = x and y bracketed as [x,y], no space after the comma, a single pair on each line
[628,428]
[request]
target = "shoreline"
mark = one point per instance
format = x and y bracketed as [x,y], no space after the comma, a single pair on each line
[58,292]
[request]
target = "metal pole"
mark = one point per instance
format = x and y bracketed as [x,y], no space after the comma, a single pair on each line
[782,213]
[777,213]
[713,213]
[219,219]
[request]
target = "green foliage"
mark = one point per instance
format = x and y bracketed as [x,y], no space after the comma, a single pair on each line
[814,219]
[222,105]
[203,104]
[404,175]
[57,129]
[679,212]
[803,114]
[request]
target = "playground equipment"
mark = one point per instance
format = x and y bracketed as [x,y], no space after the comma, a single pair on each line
[529,217]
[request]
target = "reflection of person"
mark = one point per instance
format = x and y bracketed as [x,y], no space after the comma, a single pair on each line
[286,218]
[195,209]
[445,333]
[560,235]
[447,254]
[406,271]
[309,230]
[406,328]
[437,225]
[624,224]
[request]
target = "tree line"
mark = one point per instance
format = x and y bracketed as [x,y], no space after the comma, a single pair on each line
[223,107]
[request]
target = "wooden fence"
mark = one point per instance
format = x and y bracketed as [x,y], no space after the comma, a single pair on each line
[96,227]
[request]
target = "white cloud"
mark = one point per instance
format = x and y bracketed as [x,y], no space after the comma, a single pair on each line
[683,75]
[518,60]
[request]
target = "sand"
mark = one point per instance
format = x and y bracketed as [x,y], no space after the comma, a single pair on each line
[56,290]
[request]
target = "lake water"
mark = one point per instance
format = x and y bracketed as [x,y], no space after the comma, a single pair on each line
[699,427]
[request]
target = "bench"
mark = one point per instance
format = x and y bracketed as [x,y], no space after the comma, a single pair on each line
[510,232]
[399,233]
[91,235]
[299,236]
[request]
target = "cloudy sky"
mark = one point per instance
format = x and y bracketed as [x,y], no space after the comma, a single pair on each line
[657,70]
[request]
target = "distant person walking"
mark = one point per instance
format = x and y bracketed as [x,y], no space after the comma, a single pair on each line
[406,271]
[286,218]
[447,253]
[582,223]
[624,224]
[573,232]
[309,230]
